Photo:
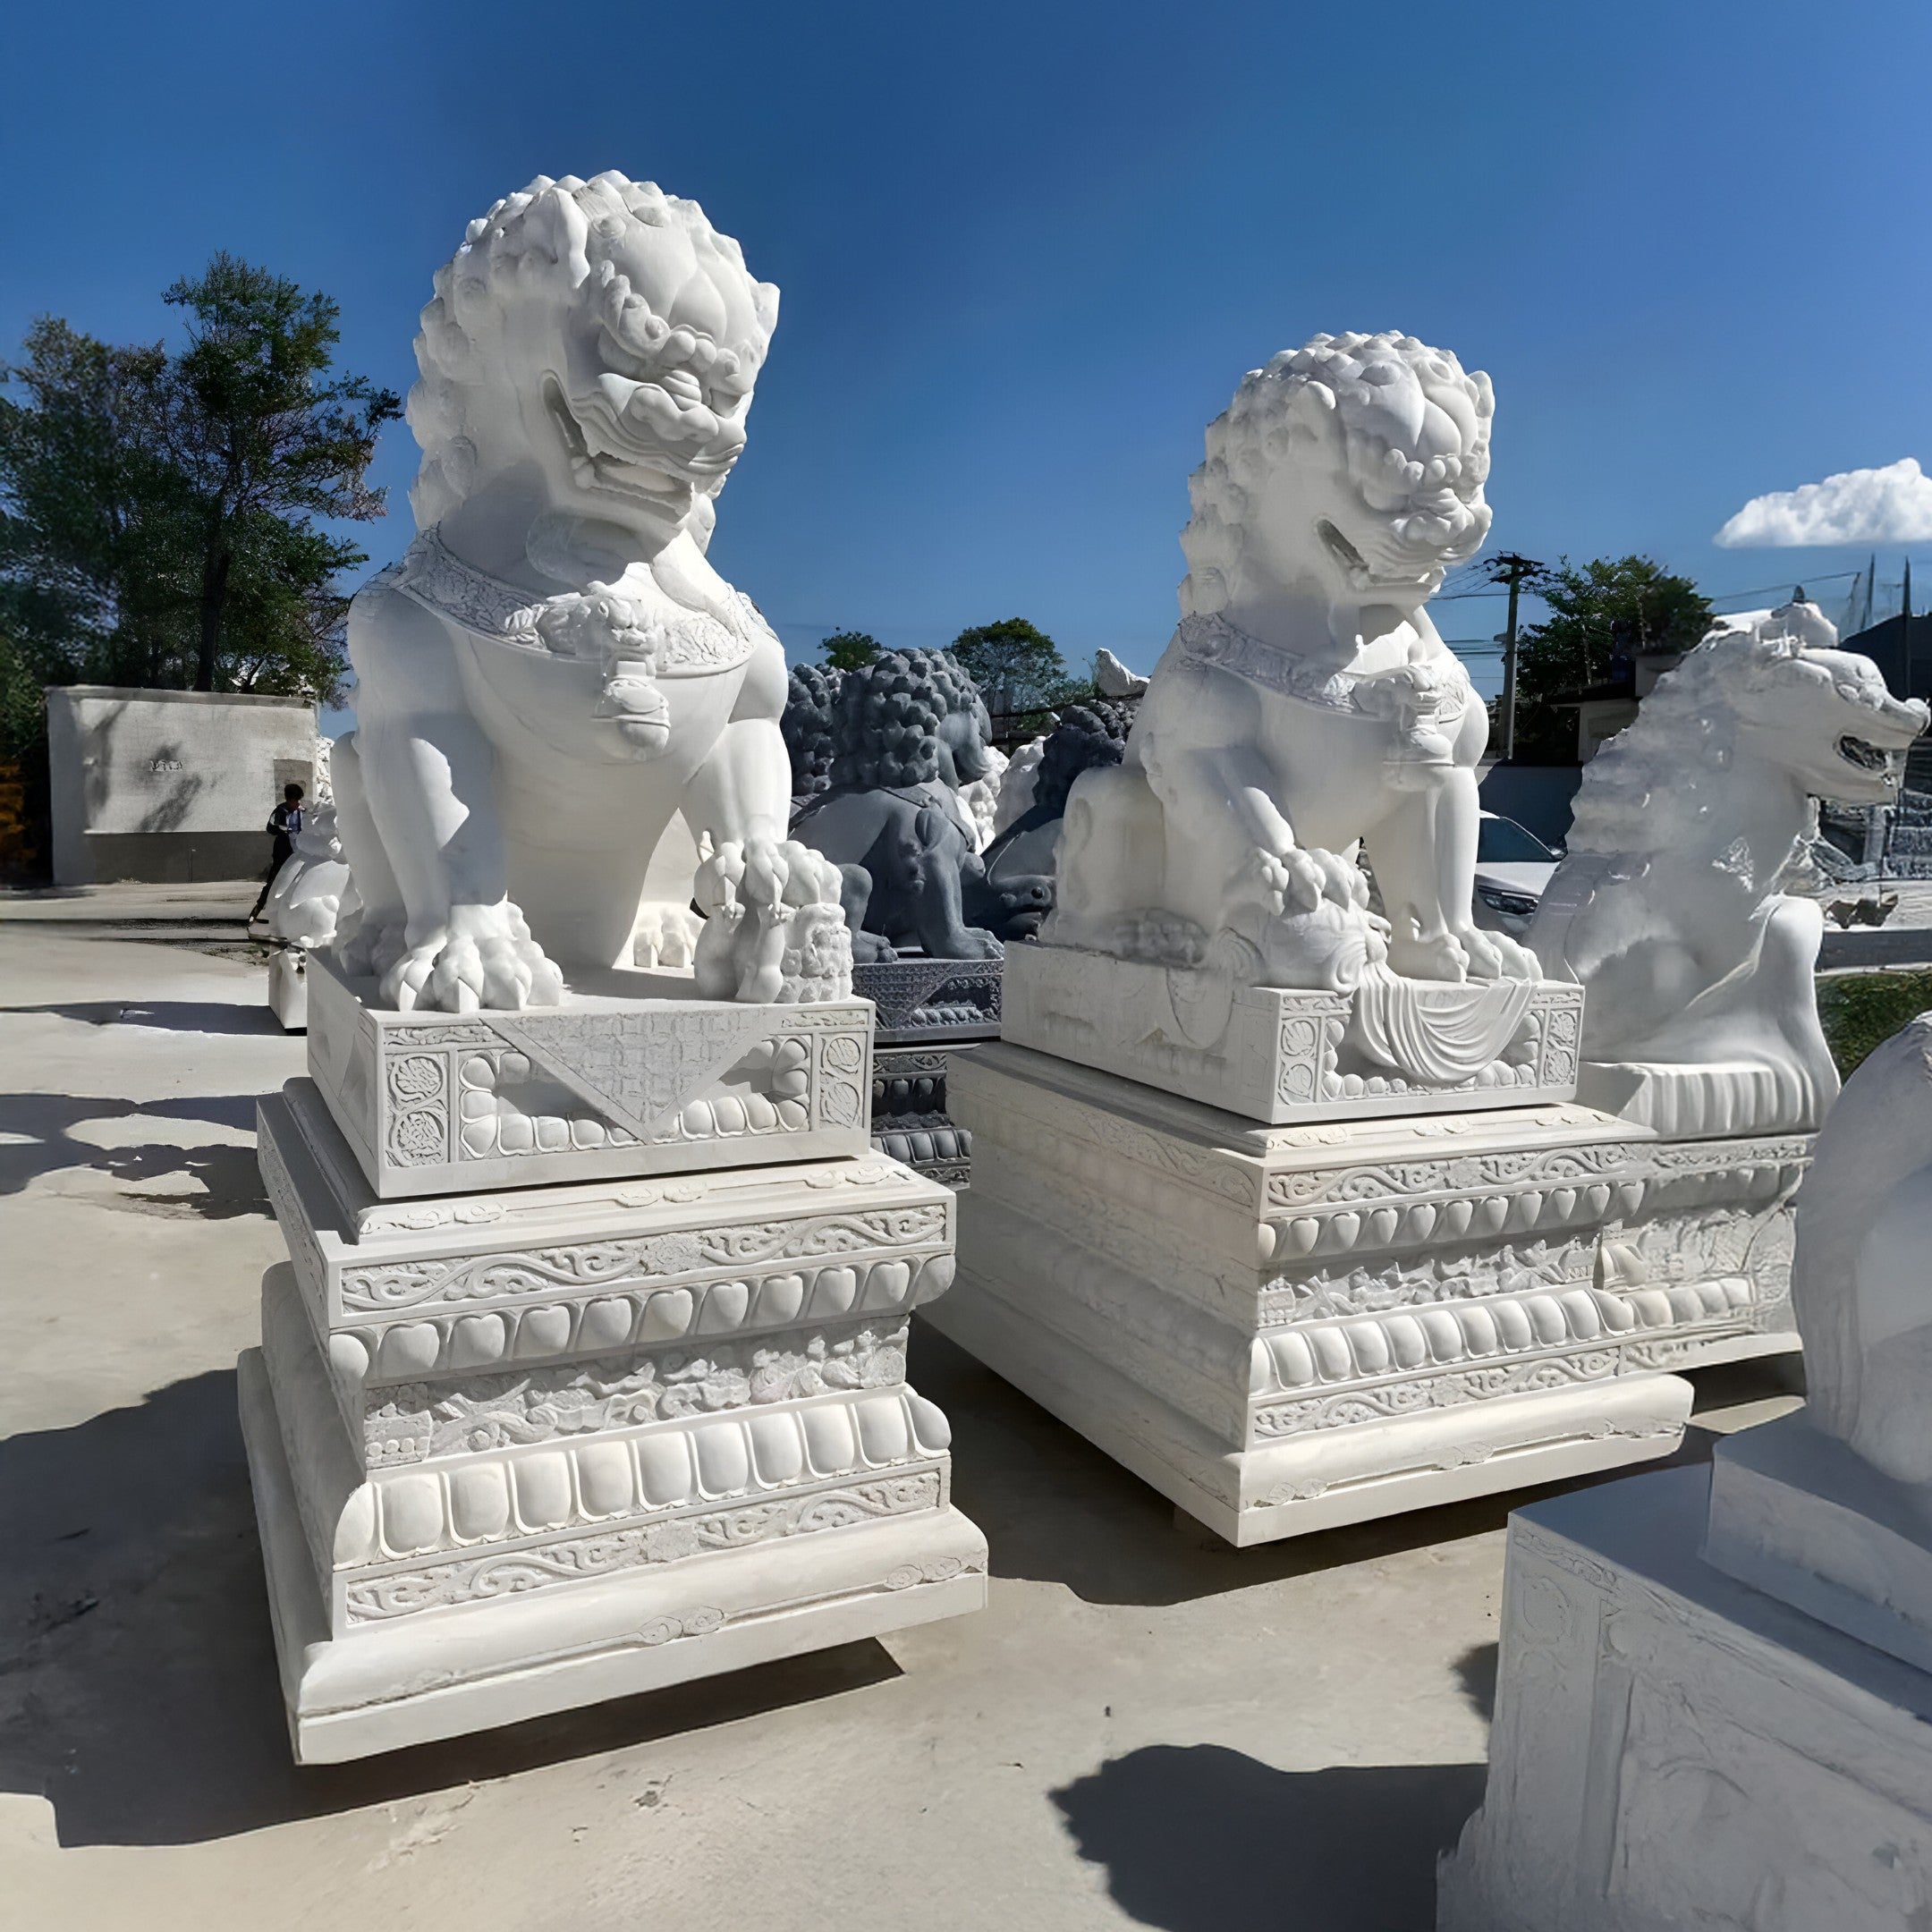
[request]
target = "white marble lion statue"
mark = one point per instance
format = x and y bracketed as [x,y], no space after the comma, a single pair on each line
[1306,707]
[1671,907]
[554,674]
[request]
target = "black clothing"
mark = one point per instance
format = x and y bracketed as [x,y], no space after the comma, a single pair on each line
[284,822]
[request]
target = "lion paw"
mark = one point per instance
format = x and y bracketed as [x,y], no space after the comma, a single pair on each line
[1495,955]
[775,928]
[1438,957]
[666,935]
[485,960]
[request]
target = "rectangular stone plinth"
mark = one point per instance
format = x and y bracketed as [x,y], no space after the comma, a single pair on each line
[633,1078]
[1285,1328]
[910,1121]
[922,1000]
[288,988]
[1673,1749]
[671,1409]
[1277,1054]
[1797,1514]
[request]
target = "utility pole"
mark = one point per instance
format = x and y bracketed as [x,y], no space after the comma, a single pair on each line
[1509,568]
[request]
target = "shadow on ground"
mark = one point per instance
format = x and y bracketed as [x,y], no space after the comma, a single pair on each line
[1197,1838]
[1057,1510]
[38,1136]
[170,1016]
[138,1684]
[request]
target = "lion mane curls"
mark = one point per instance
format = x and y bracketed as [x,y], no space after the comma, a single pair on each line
[810,726]
[1086,735]
[562,238]
[1689,722]
[889,714]
[1257,430]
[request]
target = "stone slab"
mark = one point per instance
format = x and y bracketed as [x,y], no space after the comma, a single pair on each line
[1282,1056]
[920,999]
[633,1078]
[169,785]
[1797,1514]
[288,988]
[1286,1328]
[382,1687]
[1672,1748]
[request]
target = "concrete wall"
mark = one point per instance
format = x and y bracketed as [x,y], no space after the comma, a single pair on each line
[169,785]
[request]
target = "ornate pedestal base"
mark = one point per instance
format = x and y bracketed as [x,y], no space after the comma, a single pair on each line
[1279,1054]
[926,1008]
[634,1077]
[288,988]
[523,1449]
[1673,1749]
[1287,1328]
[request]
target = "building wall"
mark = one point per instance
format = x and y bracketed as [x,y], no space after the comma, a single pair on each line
[167,785]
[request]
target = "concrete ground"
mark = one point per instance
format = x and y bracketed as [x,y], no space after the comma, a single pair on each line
[1145,1728]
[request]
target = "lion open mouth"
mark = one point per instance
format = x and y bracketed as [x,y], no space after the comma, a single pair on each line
[1865,757]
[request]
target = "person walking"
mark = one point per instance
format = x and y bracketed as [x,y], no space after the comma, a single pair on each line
[284,823]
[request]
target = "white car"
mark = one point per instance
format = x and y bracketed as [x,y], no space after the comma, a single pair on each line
[1513,870]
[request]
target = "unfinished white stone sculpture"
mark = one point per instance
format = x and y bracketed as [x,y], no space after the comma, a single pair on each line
[305,902]
[1306,708]
[553,670]
[1715,1700]
[1670,908]
[1831,1509]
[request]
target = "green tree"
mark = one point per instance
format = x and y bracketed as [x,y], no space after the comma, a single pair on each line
[1610,608]
[93,529]
[846,650]
[267,438]
[1016,666]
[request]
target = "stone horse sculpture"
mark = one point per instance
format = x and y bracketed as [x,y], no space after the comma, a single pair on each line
[1307,706]
[553,672]
[1701,1015]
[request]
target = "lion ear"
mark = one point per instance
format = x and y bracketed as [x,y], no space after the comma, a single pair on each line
[764,305]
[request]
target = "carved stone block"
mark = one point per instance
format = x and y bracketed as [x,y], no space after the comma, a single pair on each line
[1796,1513]
[922,1000]
[625,1081]
[926,1008]
[1672,1748]
[1286,1328]
[910,1121]
[1277,1054]
[288,988]
[535,1436]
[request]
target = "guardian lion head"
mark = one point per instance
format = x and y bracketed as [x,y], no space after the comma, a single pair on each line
[1353,467]
[1779,694]
[603,328]
[909,718]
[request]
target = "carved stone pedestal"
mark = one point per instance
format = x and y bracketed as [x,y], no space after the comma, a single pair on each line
[925,1009]
[1287,1328]
[524,1448]
[1281,1053]
[1672,1748]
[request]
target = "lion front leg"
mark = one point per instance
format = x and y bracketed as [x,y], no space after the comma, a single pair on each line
[775,928]
[425,771]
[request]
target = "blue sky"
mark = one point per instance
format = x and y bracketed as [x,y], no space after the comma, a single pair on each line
[1026,251]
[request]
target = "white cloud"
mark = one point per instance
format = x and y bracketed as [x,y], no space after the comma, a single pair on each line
[1893,505]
